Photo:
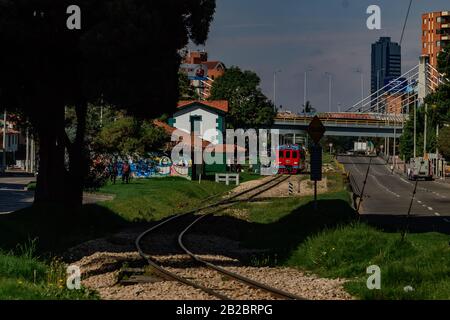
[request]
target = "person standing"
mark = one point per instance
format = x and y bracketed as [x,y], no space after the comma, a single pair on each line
[125,172]
[114,172]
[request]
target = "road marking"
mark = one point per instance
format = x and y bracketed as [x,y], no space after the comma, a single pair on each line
[384,187]
[419,201]
[437,214]
[430,208]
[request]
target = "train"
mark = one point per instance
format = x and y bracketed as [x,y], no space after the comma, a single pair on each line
[291,159]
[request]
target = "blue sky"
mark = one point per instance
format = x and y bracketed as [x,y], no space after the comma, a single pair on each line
[324,35]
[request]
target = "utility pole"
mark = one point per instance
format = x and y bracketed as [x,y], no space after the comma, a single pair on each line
[395,144]
[275,89]
[425,132]
[4,140]
[415,129]
[27,152]
[437,152]
[33,155]
[362,86]
[330,82]
[305,89]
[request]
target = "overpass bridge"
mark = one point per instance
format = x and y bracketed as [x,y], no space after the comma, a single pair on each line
[382,114]
[344,124]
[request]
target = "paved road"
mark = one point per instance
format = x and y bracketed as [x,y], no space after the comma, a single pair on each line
[12,194]
[390,194]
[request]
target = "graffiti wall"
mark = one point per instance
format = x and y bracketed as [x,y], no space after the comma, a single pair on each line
[148,167]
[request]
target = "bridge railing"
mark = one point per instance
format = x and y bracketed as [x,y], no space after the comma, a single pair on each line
[345,122]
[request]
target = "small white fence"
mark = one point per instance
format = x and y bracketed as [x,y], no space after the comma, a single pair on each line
[227,178]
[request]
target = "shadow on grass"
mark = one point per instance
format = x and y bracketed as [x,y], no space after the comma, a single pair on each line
[277,240]
[57,228]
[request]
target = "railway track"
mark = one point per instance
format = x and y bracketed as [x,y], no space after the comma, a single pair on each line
[198,215]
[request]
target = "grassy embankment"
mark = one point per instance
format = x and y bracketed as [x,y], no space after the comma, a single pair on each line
[331,242]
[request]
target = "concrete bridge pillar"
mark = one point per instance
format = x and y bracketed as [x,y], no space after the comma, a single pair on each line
[423,89]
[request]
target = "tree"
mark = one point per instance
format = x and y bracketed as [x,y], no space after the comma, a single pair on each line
[249,107]
[128,136]
[187,91]
[444,61]
[438,114]
[444,142]
[126,53]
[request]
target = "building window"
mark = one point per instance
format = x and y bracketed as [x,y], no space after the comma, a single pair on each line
[424,45]
[425,21]
[425,33]
[438,43]
[439,19]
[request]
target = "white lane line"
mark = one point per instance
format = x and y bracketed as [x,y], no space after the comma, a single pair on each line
[385,188]
[437,214]
[419,201]
[430,208]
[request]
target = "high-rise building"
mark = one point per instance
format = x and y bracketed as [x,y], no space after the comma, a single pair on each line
[386,62]
[435,34]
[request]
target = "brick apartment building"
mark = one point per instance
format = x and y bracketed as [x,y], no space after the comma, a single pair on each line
[435,34]
[215,68]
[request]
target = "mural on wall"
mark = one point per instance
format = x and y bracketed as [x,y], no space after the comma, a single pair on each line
[151,166]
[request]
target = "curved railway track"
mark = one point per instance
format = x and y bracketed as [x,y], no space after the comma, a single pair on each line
[201,213]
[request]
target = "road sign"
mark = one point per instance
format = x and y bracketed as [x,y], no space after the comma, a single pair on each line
[316,129]
[316,163]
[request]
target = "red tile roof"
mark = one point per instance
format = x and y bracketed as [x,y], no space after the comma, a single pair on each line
[169,130]
[211,64]
[221,105]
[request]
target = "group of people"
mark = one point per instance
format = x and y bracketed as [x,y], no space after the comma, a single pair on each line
[113,171]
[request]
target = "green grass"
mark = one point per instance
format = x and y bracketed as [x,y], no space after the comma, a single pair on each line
[24,276]
[330,242]
[31,186]
[154,199]
[422,261]
[56,228]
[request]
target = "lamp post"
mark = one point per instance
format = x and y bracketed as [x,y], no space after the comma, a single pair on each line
[275,88]
[378,88]
[362,86]
[4,140]
[305,89]
[330,83]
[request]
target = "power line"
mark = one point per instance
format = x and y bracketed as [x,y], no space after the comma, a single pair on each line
[406,21]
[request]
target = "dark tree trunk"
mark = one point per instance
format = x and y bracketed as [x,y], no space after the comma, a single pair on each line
[77,160]
[51,178]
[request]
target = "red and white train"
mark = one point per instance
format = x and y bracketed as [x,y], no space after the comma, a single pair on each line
[291,159]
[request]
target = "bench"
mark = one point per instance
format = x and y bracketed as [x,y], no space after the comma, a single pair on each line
[227,178]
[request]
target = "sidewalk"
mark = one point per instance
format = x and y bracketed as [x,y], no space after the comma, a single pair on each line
[13,196]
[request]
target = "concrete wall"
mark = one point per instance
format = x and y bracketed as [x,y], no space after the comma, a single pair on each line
[208,124]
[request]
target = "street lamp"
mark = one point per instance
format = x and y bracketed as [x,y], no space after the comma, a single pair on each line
[361,72]
[4,139]
[330,80]
[378,88]
[275,88]
[305,89]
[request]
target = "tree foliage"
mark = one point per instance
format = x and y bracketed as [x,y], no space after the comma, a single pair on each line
[128,136]
[444,142]
[249,107]
[438,115]
[126,54]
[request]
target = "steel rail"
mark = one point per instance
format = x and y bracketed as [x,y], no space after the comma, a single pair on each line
[217,206]
[247,281]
